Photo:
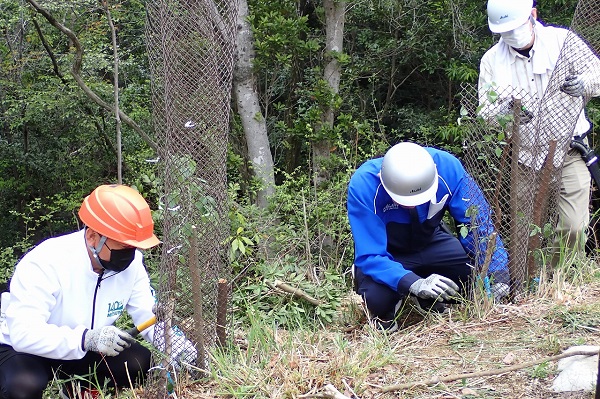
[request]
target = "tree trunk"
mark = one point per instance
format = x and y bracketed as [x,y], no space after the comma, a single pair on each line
[334,40]
[334,35]
[248,107]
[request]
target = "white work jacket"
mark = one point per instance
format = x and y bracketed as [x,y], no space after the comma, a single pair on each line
[55,295]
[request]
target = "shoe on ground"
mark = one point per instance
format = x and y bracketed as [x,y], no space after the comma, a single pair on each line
[83,394]
[428,306]
[387,326]
[90,394]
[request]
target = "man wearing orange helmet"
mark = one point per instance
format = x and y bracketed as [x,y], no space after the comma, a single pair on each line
[68,291]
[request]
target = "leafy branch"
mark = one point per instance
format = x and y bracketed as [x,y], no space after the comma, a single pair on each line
[75,71]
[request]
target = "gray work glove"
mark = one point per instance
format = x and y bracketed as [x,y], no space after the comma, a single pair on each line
[525,116]
[433,287]
[183,351]
[499,291]
[107,340]
[573,86]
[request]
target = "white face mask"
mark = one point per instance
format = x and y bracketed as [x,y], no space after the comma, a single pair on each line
[519,37]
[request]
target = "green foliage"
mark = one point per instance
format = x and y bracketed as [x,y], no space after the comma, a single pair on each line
[556,12]
[402,64]
[53,139]
[577,317]
[242,242]
[39,218]
[278,37]
[279,244]
[541,370]
[257,294]
[461,71]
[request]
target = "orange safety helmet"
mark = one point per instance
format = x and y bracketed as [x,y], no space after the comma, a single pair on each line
[120,213]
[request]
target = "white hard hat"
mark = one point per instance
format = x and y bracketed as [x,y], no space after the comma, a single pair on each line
[506,15]
[409,174]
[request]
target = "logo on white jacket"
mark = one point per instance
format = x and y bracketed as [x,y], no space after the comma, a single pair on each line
[115,309]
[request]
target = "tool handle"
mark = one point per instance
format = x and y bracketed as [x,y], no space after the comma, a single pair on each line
[138,329]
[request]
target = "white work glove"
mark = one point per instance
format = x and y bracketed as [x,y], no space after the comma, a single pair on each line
[573,86]
[183,350]
[433,287]
[107,340]
[499,291]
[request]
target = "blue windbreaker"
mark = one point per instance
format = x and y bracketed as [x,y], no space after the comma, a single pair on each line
[371,210]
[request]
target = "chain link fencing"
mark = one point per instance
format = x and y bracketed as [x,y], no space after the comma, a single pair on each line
[191,48]
[516,145]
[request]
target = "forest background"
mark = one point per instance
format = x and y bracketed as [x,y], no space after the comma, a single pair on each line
[401,68]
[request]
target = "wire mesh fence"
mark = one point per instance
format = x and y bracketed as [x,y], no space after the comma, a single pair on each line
[191,46]
[518,146]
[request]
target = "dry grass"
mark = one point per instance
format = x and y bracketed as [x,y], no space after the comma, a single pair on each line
[362,362]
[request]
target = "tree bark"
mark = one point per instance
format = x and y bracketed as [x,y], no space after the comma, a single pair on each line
[335,13]
[113,35]
[248,108]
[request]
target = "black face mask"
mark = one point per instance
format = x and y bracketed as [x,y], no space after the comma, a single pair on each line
[120,259]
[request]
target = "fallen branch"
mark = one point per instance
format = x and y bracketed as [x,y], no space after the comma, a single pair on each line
[485,373]
[332,392]
[329,391]
[297,292]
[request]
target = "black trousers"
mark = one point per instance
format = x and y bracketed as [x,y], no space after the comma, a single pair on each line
[25,376]
[444,255]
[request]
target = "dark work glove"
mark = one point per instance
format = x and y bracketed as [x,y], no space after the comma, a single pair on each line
[525,116]
[573,86]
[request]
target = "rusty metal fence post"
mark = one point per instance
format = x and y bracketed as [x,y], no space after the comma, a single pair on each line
[518,163]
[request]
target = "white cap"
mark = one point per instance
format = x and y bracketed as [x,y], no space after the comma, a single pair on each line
[506,15]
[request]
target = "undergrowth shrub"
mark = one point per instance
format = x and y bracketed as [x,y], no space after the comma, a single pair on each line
[285,244]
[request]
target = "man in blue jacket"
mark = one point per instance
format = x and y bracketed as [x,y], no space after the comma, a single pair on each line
[395,208]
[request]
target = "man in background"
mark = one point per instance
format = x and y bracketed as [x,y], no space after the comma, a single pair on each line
[520,66]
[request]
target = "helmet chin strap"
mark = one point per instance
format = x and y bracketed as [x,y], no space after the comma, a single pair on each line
[97,249]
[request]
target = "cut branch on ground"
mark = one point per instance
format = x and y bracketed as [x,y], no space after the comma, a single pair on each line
[485,373]
[297,292]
